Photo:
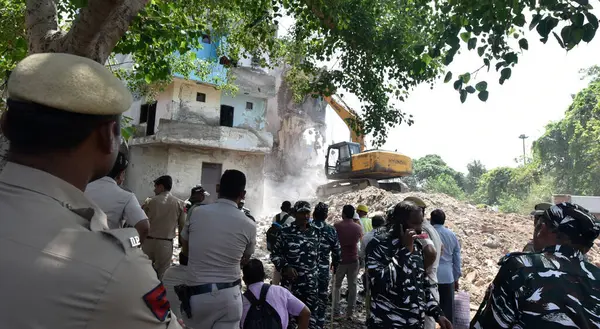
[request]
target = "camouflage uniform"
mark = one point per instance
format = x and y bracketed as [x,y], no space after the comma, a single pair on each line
[555,288]
[400,291]
[552,289]
[329,243]
[300,250]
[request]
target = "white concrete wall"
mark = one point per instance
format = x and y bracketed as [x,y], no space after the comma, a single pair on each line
[146,164]
[186,108]
[185,166]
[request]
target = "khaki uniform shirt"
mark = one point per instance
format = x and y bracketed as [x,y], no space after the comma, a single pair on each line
[62,269]
[165,213]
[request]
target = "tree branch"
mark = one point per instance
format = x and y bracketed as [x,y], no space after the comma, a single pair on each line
[41,22]
[100,26]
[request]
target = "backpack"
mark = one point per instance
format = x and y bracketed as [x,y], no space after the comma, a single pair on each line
[273,231]
[261,314]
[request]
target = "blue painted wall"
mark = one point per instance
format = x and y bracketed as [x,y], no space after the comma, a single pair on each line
[209,52]
[242,117]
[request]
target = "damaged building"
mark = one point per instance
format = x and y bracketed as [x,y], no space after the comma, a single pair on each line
[194,132]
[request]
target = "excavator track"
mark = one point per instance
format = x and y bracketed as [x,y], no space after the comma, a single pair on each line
[350,185]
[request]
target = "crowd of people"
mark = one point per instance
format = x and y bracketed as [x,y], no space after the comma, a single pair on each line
[78,251]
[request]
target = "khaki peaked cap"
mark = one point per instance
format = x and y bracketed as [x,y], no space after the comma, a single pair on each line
[69,83]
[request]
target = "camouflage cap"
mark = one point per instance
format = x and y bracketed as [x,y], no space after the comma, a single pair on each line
[302,206]
[574,221]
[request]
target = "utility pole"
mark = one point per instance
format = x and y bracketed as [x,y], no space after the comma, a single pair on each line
[523,137]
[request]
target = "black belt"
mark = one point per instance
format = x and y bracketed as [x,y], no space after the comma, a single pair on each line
[206,288]
[153,238]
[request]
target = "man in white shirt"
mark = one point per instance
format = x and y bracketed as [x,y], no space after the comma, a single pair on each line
[219,237]
[284,218]
[121,207]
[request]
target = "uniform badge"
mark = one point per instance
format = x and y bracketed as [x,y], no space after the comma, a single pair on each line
[157,302]
[135,241]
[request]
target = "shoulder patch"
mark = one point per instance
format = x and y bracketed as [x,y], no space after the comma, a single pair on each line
[157,302]
[128,237]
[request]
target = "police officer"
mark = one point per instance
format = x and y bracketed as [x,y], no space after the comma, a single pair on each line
[329,245]
[61,268]
[296,257]
[121,207]
[166,214]
[197,195]
[553,288]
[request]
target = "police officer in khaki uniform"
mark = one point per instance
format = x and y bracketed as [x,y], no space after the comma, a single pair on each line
[61,268]
[166,214]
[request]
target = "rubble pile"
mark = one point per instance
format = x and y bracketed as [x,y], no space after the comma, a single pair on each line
[485,236]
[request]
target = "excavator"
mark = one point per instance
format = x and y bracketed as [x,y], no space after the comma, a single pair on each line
[352,168]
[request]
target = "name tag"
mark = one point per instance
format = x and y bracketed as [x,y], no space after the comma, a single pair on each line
[135,241]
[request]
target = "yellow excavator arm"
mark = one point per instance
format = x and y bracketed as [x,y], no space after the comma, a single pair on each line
[347,115]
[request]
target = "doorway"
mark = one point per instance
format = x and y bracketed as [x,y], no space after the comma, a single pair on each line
[211,176]
[226,116]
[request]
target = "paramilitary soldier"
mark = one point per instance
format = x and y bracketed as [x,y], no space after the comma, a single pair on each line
[329,245]
[399,288]
[61,267]
[553,288]
[296,257]
[538,212]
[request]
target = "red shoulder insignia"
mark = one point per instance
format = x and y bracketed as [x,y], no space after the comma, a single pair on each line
[157,302]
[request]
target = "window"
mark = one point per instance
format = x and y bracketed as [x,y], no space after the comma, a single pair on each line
[201,97]
[249,106]
[144,113]
[148,116]
[206,38]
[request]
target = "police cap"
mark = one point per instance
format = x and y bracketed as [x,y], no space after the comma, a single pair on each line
[69,83]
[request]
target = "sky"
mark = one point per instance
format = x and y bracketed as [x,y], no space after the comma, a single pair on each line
[538,92]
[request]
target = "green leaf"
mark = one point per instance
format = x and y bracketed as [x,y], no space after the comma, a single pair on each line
[466,77]
[588,32]
[592,19]
[510,58]
[470,89]
[523,44]
[577,19]
[499,65]
[472,43]
[481,50]
[481,86]
[419,49]
[463,95]
[448,77]
[465,36]
[558,39]
[505,75]
[519,20]
[565,33]
[577,35]
[487,63]
[483,95]
[535,21]
[458,84]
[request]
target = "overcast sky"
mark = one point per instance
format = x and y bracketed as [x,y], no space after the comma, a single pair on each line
[538,92]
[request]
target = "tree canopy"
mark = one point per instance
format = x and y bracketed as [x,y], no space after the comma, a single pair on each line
[382,48]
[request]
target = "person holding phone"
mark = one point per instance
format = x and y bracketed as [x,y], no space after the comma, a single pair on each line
[400,294]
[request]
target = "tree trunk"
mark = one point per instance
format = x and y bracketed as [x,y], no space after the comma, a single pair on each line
[94,33]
